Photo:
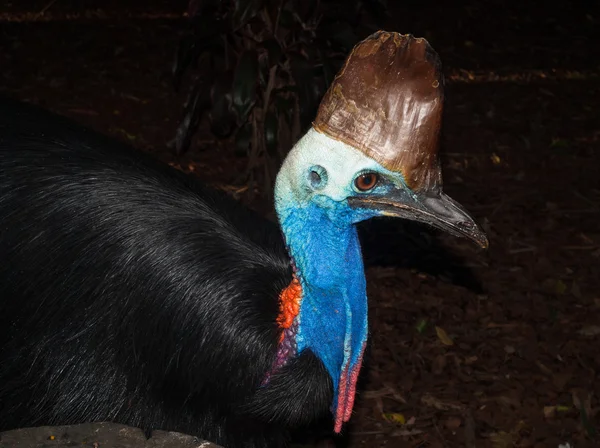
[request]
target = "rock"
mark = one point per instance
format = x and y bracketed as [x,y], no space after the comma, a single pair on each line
[97,435]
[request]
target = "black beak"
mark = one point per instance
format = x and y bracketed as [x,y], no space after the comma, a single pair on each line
[435,209]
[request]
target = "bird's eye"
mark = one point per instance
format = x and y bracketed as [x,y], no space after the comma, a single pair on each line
[366,181]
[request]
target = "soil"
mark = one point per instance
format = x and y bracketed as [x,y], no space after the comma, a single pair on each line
[469,348]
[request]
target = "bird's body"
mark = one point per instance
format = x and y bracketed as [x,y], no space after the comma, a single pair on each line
[131,293]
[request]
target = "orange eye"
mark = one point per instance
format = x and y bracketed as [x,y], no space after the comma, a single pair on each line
[366,181]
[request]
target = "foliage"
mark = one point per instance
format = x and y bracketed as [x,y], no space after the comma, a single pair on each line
[261,68]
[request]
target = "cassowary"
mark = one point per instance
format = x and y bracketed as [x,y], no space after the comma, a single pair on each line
[131,293]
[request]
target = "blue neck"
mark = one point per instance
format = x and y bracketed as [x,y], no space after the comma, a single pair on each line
[332,322]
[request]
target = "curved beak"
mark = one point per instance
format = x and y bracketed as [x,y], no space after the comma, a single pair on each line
[433,208]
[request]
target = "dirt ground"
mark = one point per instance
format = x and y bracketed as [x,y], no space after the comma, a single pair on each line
[469,348]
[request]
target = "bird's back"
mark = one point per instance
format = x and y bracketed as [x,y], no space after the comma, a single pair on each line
[130,292]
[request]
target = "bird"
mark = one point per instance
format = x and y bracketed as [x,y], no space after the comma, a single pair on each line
[134,293]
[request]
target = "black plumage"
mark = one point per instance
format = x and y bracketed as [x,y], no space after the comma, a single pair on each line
[130,292]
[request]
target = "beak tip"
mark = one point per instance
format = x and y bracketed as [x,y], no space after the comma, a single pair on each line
[484,243]
[479,237]
[469,229]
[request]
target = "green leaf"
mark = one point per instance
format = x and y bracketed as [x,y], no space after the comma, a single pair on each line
[263,71]
[340,10]
[222,118]
[342,34]
[302,73]
[319,85]
[273,50]
[378,10]
[286,19]
[183,58]
[244,84]
[269,57]
[285,106]
[202,36]
[305,9]
[271,132]
[243,137]
[244,11]
[197,103]
[200,7]
[328,70]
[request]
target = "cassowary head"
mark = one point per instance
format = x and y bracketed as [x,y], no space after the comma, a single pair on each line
[372,151]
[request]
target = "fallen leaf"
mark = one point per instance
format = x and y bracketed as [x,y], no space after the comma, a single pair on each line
[394,391]
[576,290]
[470,437]
[395,417]
[590,330]
[438,365]
[431,401]
[406,432]
[549,411]
[582,400]
[544,369]
[453,422]
[443,336]
[561,287]
[371,394]
[560,380]
[501,439]
[470,360]
[421,326]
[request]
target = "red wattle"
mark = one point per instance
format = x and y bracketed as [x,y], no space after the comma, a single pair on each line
[347,393]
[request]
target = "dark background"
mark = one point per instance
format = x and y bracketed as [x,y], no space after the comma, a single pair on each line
[520,152]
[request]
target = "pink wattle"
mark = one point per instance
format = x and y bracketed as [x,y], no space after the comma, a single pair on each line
[346,393]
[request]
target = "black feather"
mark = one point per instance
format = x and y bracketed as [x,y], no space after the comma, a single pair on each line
[129,292]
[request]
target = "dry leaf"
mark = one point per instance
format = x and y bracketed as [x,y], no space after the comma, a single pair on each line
[431,401]
[470,360]
[443,336]
[590,330]
[406,432]
[582,400]
[395,417]
[560,287]
[438,365]
[560,380]
[371,394]
[394,391]
[453,422]
[549,411]
[501,439]
[576,290]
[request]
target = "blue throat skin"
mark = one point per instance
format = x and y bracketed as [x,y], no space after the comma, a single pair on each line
[323,242]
